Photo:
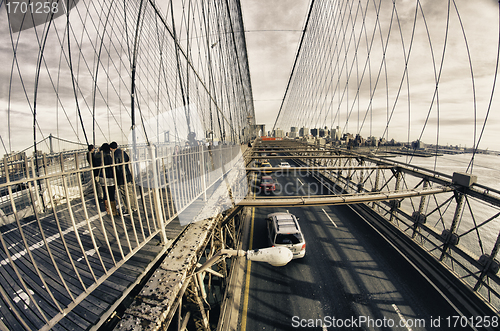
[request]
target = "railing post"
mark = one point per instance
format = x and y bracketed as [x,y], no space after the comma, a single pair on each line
[349,175]
[360,185]
[449,236]
[38,191]
[395,203]
[156,194]
[202,167]
[418,216]
[375,187]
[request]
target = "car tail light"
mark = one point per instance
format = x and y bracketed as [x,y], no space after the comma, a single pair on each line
[303,247]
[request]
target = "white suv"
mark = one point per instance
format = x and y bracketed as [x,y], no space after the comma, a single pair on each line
[283,230]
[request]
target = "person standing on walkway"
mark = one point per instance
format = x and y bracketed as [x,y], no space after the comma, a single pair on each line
[107,179]
[124,177]
[95,161]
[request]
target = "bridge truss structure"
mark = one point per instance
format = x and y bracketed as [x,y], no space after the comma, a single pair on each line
[450,219]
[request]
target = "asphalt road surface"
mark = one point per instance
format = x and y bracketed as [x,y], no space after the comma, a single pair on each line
[349,279]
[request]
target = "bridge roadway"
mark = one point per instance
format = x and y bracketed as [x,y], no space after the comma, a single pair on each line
[349,275]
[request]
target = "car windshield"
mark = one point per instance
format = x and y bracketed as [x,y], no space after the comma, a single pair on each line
[289,238]
[267,180]
[266,165]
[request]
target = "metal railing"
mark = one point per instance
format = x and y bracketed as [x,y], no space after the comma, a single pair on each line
[58,243]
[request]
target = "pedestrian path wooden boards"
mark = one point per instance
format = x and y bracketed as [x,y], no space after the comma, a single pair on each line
[67,278]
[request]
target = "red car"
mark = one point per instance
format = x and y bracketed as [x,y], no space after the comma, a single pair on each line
[267,183]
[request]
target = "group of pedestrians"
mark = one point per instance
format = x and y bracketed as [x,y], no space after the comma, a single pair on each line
[114,175]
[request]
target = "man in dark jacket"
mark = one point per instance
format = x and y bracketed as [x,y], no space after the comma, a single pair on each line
[124,177]
[106,176]
[95,161]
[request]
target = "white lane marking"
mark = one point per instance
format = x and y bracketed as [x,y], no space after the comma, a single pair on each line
[22,226]
[4,233]
[87,231]
[49,239]
[21,295]
[401,317]
[13,245]
[329,218]
[90,252]
[300,181]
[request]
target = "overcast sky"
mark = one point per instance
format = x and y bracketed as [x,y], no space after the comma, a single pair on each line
[274,29]
[271,55]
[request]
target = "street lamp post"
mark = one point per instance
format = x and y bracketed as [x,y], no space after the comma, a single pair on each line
[275,256]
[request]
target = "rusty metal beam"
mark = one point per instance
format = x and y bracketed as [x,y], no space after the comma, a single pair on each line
[303,156]
[290,150]
[341,199]
[155,305]
[290,169]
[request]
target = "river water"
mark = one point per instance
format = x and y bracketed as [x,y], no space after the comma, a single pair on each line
[486,167]
[487,170]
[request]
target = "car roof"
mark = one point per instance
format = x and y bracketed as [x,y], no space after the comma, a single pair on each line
[280,215]
[285,222]
[266,177]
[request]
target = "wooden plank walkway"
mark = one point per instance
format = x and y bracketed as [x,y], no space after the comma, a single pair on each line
[50,259]
[78,264]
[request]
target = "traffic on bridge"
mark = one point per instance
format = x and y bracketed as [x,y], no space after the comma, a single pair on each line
[350,277]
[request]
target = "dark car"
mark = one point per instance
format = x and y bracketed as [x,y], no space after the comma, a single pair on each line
[267,184]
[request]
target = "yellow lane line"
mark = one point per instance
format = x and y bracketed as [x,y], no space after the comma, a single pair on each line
[247,279]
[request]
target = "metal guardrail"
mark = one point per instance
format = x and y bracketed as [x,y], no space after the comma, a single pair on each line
[58,245]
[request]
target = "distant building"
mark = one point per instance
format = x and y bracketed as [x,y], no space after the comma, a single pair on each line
[358,141]
[347,137]
[372,141]
[417,144]
[259,130]
[304,132]
[308,140]
[314,132]
[335,134]
[278,133]
[320,141]
[16,160]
